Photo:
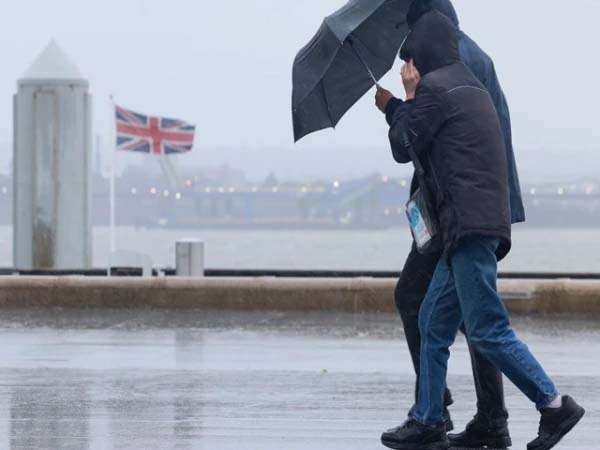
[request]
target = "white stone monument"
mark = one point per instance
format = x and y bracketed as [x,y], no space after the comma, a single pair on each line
[52,166]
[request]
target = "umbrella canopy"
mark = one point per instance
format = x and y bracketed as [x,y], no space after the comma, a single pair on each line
[354,48]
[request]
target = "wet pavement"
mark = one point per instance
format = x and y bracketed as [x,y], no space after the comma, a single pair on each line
[219,381]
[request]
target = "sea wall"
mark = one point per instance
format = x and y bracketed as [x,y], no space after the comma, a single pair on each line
[358,295]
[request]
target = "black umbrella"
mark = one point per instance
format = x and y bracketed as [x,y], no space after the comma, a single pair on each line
[352,50]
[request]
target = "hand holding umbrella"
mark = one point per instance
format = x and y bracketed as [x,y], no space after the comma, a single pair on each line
[382,98]
[410,78]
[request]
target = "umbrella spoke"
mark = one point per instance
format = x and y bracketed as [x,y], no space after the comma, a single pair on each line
[324,92]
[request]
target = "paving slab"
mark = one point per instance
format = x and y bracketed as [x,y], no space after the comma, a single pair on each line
[102,379]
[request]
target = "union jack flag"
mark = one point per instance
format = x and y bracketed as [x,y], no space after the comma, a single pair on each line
[157,135]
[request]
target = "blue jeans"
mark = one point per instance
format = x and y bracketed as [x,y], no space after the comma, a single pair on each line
[463,289]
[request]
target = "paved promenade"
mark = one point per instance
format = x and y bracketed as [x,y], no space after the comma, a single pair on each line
[219,381]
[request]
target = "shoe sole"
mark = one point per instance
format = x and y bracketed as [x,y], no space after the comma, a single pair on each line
[478,448]
[499,444]
[397,446]
[562,431]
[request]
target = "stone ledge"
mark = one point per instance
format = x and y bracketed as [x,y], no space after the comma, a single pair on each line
[359,295]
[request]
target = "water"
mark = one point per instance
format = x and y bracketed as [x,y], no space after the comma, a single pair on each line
[552,250]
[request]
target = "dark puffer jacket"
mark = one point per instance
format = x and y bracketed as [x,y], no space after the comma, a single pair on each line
[455,130]
[483,68]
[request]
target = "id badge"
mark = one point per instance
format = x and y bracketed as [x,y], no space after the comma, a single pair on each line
[417,224]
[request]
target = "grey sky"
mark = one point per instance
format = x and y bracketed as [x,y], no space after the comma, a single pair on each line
[226,66]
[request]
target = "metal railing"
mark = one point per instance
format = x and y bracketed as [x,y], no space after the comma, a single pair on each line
[247,273]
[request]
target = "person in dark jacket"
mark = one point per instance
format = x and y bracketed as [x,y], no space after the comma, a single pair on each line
[454,129]
[490,425]
[483,68]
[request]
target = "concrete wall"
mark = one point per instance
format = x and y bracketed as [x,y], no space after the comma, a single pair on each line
[273,294]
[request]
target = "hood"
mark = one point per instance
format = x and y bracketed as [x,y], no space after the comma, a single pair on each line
[432,43]
[420,7]
[446,8]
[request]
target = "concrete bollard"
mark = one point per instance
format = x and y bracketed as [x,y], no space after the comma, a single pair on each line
[189,255]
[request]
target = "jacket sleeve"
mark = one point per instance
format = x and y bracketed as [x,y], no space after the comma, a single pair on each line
[391,108]
[499,99]
[419,120]
[493,86]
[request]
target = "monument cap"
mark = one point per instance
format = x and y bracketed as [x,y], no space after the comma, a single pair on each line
[53,66]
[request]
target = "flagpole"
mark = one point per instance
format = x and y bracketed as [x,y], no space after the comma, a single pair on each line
[113,150]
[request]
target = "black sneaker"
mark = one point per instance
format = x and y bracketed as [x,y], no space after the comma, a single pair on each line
[482,432]
[446,418]
[414,435]
[556,423]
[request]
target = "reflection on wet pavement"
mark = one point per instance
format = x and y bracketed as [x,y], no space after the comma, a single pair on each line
[220,381]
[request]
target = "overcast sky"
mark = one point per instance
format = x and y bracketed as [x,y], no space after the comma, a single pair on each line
[226,66]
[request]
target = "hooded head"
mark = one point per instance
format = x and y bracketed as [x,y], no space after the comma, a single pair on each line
[420,7]
[432,43]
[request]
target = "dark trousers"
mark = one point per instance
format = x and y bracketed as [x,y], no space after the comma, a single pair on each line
[410,293]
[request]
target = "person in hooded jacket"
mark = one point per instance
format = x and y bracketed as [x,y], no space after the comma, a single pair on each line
[490,425]
[451,124]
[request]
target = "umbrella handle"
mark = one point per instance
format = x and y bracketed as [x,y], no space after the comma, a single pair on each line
[363,62]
